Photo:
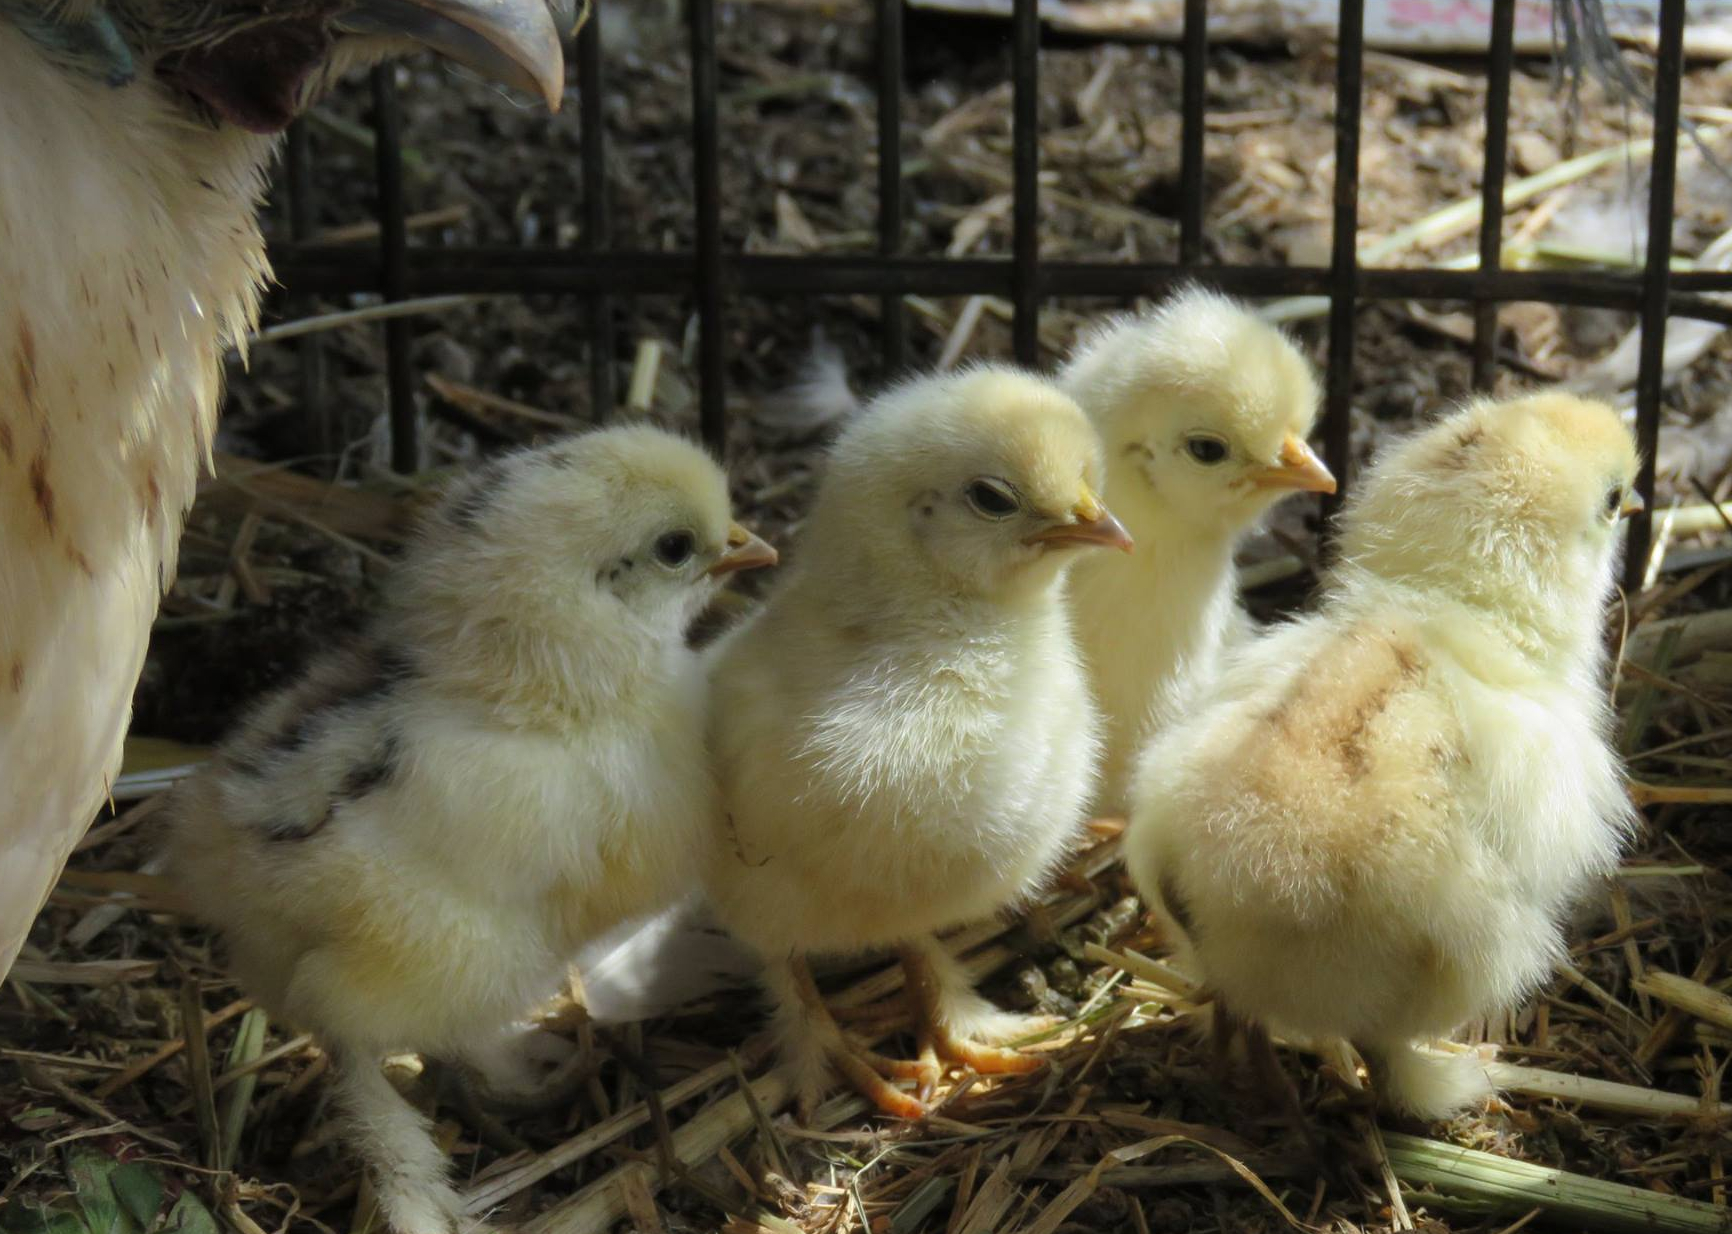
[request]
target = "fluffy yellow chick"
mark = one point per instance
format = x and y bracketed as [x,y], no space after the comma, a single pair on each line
[903,736]
[1375,828]
[1203,410]
[403,850]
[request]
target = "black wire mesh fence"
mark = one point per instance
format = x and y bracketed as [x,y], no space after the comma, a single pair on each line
[710,274]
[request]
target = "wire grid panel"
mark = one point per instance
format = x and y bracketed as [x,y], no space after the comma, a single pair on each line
[708,273]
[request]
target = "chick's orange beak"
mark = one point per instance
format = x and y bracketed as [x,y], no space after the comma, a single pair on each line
[1298,468]
[745,551]
[1090,523]
[1633,505]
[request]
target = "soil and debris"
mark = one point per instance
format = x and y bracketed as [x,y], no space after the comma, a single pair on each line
[114,1118]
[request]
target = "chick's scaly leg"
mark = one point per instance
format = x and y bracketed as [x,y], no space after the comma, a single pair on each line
[1279,1086]
[962,1008]
[938,1035]
[1272,1085]
[812,1041]
[1224,1029]
[408,1170]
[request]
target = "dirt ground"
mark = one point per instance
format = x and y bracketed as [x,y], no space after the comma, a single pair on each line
[1128,1130]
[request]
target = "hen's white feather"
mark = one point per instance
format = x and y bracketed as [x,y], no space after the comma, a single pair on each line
[130,261]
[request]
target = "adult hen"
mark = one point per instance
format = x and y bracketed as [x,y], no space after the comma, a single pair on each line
[134,136]
[903,736]
[1375,828]
[1204,411]
[405,850]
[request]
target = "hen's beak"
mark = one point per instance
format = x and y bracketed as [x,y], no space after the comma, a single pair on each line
[1298,467]
[745,551]
[1633,504]
[515,42]
[1090,523]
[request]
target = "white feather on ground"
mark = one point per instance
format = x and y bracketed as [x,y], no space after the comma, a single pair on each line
[648,968]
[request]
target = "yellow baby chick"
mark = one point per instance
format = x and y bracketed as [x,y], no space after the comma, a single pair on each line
[1203,410]
[903,736]
[403,850]
[1374,829]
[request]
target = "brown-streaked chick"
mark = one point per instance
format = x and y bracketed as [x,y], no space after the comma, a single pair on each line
[1203,410]
[404,850]
[1375,828]
[903,736]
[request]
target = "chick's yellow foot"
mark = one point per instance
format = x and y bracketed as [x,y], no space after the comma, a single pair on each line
[867,1071]
[408,1168]
[927,991]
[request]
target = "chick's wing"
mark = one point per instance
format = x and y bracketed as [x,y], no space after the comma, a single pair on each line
[1335,782]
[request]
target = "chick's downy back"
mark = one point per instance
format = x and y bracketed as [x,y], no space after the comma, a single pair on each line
[903,735]
[1376,827]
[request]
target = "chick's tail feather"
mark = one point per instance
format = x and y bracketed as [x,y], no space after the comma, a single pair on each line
[650,966]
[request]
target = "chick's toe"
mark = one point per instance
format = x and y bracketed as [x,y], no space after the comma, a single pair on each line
[812,1041]
[963,1009]
[936,1029]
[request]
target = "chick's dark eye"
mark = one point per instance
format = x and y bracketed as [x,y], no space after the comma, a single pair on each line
[675,548]
[1206,449]
[992,498]
[1614,501]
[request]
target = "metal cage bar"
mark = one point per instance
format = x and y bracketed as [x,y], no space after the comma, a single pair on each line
[310,351]
[597,217]
[1656,278]
[1498,70]
[596,272]
[894,333]
[1025,182]
[1192,110]
[706,150]
[1344,282]
[516,271]
[394,280]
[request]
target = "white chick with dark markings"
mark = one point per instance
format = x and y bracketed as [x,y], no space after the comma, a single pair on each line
[1203,410]
[1376,828]
[903,735]
[404,850]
